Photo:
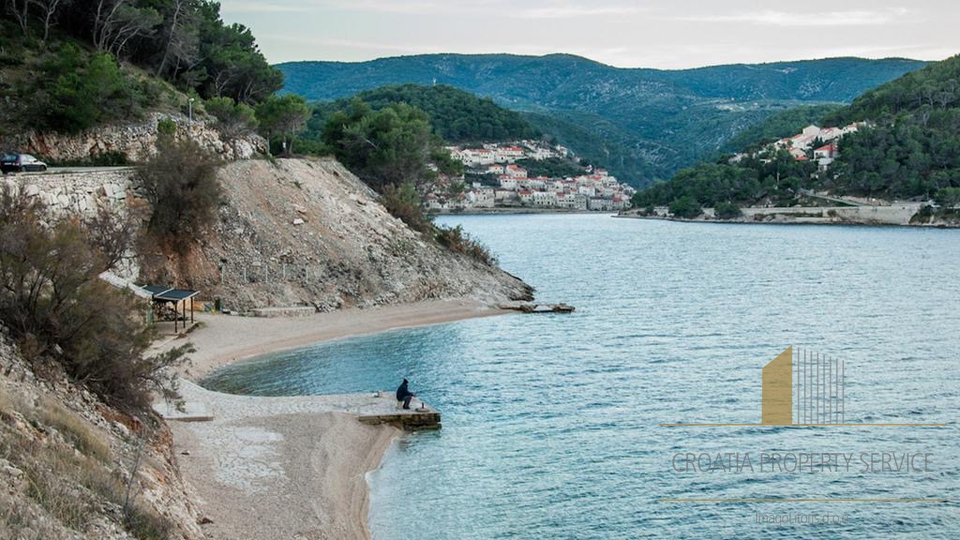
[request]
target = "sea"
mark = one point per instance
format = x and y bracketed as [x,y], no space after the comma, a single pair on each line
[553,424]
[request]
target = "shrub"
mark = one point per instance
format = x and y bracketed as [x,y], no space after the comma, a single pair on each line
[458,241]
[166,128]
[75,91]
[685,207]
[948,197]
[53,301]
[181,185]
[233,119]
[727,210]
[404,203]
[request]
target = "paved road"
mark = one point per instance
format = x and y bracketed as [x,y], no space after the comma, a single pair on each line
[841,200]
[72,170]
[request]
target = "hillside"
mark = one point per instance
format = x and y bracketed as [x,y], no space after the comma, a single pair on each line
[668,119]
[455,115]
[907,147]
[308,232]
[778,125]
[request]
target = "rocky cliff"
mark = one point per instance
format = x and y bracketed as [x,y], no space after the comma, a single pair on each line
[308,232]
[134,141]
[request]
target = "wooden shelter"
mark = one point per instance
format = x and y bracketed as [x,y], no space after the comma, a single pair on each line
[161,296]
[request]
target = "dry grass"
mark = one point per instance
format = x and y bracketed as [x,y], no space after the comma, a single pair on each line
[73,428]
[72,483]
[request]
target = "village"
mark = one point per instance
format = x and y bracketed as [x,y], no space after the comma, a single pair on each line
[497,181]
[812,144]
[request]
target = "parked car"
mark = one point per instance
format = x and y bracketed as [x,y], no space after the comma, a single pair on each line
[21,163]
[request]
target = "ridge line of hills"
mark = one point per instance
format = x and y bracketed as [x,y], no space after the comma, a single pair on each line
[643,124]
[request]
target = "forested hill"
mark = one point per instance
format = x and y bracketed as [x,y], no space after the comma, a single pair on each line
[67,66]
[562,80]
[908,149]
[455,115]
[653,121]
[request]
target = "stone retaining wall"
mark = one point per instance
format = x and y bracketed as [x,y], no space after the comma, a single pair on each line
[136,141]
[79,193]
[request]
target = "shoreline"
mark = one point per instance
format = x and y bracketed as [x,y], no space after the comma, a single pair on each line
[225,339]
[297,466]
[796,221]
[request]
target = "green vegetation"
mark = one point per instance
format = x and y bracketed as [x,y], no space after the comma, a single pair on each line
[686,207]
[394,150]
[180,183]
[911,149]
[745,183]
[56,307]
[457,240]
[72,65]
[388,146]
[455,115]
[598,142]
[641,124]
[282,118]
[779,125]
[727,210]
[232,118]
[551,167]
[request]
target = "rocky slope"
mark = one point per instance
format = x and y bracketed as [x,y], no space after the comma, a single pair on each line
[66,460]
[308,232]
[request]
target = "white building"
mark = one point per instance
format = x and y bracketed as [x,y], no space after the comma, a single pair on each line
[509,182]
[544,198]
[481,198]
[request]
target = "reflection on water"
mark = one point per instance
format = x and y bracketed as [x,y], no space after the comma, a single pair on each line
[551,421]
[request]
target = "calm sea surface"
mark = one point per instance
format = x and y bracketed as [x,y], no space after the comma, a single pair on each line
[550,422]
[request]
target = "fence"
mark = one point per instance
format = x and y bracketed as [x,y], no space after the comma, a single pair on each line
[272,273]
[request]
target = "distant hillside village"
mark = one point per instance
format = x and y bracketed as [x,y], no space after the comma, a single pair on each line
[497,181]
[813,143]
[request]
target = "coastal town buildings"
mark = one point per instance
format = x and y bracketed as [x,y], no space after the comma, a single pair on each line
[813,143]
[507,184]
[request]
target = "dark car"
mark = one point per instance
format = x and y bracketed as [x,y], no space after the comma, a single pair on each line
[21,163]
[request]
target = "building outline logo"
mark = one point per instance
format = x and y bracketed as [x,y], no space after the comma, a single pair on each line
[805,389]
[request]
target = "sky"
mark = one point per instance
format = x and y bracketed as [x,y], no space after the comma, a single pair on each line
[667,34]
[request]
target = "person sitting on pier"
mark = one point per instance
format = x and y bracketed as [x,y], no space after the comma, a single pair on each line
[404,394]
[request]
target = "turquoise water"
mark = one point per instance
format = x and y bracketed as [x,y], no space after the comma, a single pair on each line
[550,422]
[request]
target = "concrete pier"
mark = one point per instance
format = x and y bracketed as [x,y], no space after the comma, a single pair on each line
[385,410]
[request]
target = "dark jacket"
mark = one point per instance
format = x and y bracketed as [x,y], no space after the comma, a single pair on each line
[403,392]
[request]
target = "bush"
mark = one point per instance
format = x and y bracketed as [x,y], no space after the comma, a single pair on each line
[180,183]
[76,91]
[403,203]
[54,303]
[686,207]
[166,128]
[458,241]
[233,119]
[727,210]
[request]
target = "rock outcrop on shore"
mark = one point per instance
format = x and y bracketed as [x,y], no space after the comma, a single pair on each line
[308,232]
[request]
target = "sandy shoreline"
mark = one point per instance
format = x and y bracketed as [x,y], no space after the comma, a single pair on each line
[287,467]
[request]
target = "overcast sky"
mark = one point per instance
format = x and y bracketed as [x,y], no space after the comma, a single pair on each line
[661,33]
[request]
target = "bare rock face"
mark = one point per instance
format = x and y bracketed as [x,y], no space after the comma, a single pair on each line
[136,141]
[308,232]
